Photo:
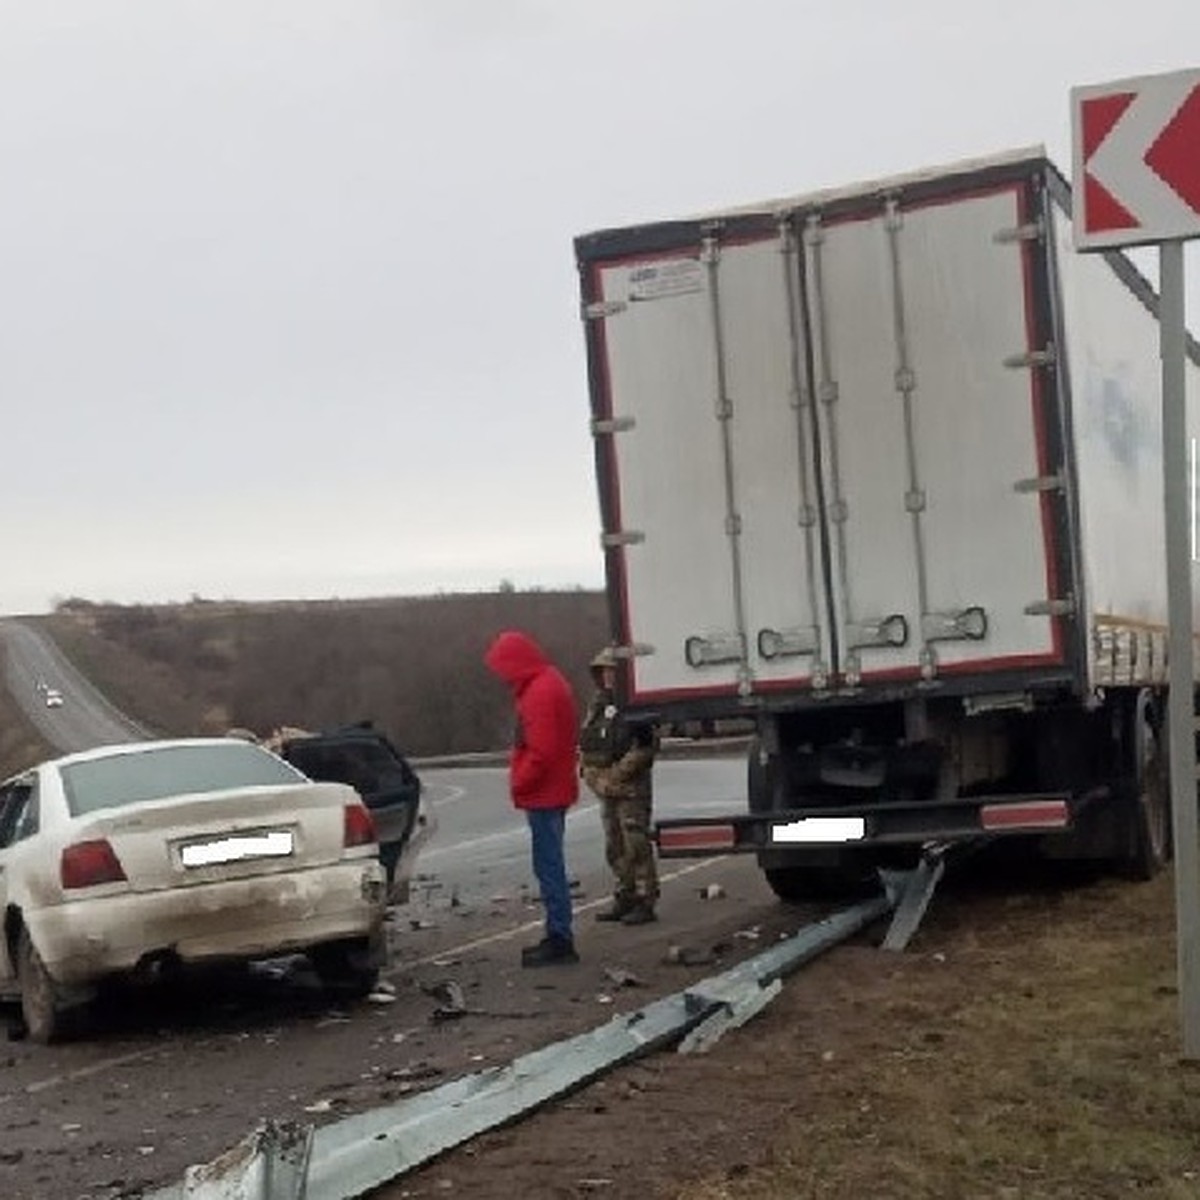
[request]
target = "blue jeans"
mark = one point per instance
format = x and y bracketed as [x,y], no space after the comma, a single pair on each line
[546,827]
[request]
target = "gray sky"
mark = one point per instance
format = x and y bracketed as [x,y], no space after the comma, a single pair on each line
[288,303]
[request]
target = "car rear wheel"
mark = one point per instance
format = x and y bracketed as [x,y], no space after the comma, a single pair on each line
[40,1002]
[346,968]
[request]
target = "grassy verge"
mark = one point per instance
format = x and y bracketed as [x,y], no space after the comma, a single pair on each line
[1042,1061]
[20,743]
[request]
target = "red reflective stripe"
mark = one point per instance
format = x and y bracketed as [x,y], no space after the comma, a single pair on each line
[697,837]
[1037,814]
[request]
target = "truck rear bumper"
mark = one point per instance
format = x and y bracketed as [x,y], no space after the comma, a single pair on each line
[868,826]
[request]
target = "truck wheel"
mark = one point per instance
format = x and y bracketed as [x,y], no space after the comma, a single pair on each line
[760,779]
[1150,815]
[798,885]
[40,1007]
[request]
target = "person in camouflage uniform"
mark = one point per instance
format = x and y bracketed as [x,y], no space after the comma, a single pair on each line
[616,759]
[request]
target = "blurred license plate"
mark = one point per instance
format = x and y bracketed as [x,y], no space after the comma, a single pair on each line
[816,830]
[277,844]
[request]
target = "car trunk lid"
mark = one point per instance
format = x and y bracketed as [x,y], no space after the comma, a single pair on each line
[231,834]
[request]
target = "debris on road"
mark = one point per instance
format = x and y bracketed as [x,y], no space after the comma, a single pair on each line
[712,891]
[452,1004]
[620,977]
[690,956]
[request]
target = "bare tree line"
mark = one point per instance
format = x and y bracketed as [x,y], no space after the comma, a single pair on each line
[412,665]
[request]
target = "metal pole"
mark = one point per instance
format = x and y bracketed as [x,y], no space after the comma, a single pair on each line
[1181,717]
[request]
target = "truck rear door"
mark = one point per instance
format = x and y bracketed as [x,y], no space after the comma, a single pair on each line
[710,478]
[827,446]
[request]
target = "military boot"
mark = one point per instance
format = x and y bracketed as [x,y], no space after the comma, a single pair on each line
[639,913]
[617,909]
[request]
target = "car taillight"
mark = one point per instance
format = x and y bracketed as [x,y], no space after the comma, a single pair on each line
[86,864]
[359,828]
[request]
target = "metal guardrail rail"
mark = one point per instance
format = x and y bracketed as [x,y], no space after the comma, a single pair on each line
[348,1158]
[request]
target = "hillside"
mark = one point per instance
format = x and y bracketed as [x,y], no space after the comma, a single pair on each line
[412,665]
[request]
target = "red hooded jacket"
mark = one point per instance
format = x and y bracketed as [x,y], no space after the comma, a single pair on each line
[543,766]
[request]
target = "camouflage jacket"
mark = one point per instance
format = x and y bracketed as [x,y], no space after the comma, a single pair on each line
[615,757]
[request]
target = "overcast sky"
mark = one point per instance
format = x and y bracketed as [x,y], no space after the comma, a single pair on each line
[288,303]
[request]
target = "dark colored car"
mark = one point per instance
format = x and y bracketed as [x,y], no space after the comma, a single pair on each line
[365,759]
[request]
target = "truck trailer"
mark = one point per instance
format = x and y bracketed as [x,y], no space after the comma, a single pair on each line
[880,470]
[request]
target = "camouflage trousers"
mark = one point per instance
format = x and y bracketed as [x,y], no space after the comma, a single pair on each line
[629,850]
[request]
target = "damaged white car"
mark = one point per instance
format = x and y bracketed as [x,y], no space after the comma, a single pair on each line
[140,857]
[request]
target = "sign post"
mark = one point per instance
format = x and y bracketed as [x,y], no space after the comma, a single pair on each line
[1137,182]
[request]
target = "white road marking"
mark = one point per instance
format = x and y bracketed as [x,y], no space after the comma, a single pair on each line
[506,935]
[40,1085]
[512,833]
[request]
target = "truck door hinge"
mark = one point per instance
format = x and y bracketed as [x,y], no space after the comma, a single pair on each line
[1034,231]
[1042,483]
[606,425]
[627,537]
[1051,608]
[1033,358]
[599,309]
[633,650]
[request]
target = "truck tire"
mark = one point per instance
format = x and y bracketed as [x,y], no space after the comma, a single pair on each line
[760,779]
[800,885]
[1149,793]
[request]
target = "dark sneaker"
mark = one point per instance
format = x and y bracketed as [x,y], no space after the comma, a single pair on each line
[615,911]
[549,951]
[639,914]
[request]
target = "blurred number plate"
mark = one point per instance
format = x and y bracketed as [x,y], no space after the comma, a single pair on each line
[232,849]
[810,830]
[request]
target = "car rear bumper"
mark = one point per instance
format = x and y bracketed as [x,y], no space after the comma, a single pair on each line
[83,941]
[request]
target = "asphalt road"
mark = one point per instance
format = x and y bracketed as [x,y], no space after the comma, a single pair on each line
[175,1075]
[481,847]
[86,718]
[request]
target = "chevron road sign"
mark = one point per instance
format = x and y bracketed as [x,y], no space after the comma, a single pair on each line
[1137,180]
[1137,160]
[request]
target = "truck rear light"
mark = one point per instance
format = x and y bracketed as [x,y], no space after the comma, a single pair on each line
[1025,814]
[359,828]
[696,837]
[86,864]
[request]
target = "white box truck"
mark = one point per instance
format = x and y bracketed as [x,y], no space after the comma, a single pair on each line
[881,469]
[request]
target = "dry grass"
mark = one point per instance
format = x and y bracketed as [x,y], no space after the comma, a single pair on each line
[1041,1062]
[20,744]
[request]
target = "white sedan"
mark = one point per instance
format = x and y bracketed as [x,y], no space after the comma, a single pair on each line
[143,856]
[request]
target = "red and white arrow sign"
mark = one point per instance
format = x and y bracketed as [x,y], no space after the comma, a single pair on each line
[1137,160]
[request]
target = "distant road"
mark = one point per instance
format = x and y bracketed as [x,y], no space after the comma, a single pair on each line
[86,718]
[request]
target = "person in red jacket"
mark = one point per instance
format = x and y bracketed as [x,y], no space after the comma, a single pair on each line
[542,777]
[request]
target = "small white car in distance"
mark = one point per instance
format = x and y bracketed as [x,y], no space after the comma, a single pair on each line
[142,856]
[54,698]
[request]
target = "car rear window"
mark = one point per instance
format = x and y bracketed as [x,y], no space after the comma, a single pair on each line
[144,775]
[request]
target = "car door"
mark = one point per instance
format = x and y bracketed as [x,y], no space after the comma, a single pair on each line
[18,819]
